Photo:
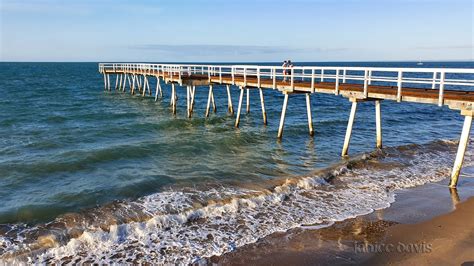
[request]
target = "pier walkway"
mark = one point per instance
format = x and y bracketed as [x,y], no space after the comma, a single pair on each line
[440,86]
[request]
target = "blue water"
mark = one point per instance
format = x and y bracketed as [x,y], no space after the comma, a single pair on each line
[67,146]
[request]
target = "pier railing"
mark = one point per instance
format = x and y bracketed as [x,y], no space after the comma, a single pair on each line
[442,86]
[434,78]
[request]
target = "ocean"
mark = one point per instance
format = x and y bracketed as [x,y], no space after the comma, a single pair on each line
[88,175]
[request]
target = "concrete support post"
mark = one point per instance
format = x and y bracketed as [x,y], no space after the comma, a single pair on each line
[120,82]
[133,85]
[310,118]
[125,79]
[148,87]
[139,83]
[172,94]
[129,82]
[214,107]
[193,93]
[239,109]
[229,100]
[248,101]
[262,101]
[173,97]
[282,119]
[347,139]
[158,87]
[209,99]
[463,141]
[378,124]
[144,86]
[188,100]
[105,82]
[161,88]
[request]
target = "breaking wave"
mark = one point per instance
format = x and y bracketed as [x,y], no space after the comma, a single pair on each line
[187,225]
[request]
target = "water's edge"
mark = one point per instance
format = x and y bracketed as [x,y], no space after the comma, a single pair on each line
[187,225]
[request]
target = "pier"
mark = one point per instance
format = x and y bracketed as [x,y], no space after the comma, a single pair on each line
[438,86]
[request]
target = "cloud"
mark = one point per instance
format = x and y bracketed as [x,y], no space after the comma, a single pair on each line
[211,49]
[40,6]
[448,47]
[84,7]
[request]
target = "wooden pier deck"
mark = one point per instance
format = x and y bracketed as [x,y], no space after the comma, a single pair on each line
[441,86]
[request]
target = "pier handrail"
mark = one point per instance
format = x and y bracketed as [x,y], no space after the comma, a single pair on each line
[398,77]
[439,86]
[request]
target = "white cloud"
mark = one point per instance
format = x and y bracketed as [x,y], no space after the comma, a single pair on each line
[212,49]
[85,7]
[447,47]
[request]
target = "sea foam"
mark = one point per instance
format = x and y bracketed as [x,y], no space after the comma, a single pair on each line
[185,226]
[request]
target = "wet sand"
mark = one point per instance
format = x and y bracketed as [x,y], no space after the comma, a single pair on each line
[430,224]
[447,240]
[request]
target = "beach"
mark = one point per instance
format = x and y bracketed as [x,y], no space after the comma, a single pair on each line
[428,225]
[94,176]
[236,132]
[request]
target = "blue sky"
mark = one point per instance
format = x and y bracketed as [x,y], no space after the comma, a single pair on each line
[227,30]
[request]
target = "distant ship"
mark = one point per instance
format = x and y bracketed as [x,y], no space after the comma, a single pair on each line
[419,63]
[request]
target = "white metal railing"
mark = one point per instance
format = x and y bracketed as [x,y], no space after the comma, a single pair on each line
[434,78]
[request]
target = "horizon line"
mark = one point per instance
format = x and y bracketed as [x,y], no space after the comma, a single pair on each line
[178,62]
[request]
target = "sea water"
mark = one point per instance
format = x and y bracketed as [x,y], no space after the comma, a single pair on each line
[94,176]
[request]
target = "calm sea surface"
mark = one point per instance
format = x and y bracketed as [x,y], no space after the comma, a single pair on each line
[69,148]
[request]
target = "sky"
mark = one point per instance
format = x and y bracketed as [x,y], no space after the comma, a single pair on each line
[236,31]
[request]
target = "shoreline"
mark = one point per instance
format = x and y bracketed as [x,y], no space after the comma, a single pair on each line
[329,243]
[443,240]
[430,224]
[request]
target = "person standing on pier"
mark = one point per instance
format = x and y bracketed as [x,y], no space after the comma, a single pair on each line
[285,65]
[289,65]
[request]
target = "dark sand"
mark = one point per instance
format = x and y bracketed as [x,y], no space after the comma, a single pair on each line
[430,224]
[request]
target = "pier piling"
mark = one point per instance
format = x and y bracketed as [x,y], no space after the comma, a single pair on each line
[139,83]
[308,110]
[193,94]
[463,142]
[214,107]
[283,113]
[105,82]
[173,98]
[378,124]
[172,94]
[248,101]
[209,99]
[350,123]
[229,100]
[188,101]
[120,82]
[132,88]
[239,108]
[144,86]
[148,86]
[158,88]
[129,83]
[262,102]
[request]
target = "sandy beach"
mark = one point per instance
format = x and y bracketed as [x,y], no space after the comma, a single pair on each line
[448,240]
[427,225]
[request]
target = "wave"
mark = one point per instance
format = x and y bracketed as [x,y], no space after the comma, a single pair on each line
[188,225]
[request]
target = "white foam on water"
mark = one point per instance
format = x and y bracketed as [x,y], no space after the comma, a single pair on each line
[187,226]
